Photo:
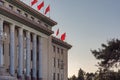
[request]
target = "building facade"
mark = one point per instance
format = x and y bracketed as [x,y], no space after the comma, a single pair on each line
[28,50]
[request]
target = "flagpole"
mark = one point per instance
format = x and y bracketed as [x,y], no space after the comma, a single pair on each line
[43,6]
[30,2]
[49,11]
[37,5]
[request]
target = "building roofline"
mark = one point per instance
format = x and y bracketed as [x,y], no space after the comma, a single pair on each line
[32,11]
[17,17]
[61,43]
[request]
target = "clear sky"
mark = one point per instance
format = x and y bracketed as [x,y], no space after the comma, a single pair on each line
[88,23]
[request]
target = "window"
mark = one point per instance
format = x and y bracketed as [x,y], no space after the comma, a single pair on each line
[61,51]
[62,64]
[61,76]
[46,25]
[10,7]
[31,37]
[39,21]
[31,55]
[32,18]
[58,50]
[54,61]
[54,48]
[1,2]
[53,76]
[58,76]
[26,15]
[18,11]
[58,63]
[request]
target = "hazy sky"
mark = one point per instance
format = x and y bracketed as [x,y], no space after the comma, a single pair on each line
[88,23]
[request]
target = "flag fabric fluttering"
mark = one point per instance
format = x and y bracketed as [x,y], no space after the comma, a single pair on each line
[47,9]
[40,5]
[57,32]
[34,2]
[63,36]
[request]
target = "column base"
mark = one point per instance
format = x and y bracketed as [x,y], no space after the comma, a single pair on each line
[4,75]
[27,78]
[40,79]
[19,77]
[33,78]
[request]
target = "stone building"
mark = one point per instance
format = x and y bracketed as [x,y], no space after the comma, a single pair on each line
[28,51]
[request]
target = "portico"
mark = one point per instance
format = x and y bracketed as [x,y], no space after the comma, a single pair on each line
[30,45]
[28,51]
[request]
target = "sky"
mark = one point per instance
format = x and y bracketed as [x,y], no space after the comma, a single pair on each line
[88,24]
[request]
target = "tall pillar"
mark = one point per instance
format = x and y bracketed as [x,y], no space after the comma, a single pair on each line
[40,59]
[28,57]
[20,53]
[1,42]
[3,74]
[34,57]
[12,49]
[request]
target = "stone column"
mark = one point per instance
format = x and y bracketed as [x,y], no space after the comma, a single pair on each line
[28,57]
[34,57]
[12,49]
[1,42]
[3,74]
[20,53]
[40,59]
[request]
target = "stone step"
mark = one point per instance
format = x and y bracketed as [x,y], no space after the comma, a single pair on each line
[4,75]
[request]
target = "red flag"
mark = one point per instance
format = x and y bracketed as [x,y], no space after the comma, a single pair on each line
[57,32]
[33,2]
[47,9]
[40,5]
[63,36]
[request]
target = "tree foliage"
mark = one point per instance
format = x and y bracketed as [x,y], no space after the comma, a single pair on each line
[73,78]
[81,74]
[109,54]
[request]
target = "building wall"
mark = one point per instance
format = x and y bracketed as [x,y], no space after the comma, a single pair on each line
[45,43]
[59,62]
[54,63]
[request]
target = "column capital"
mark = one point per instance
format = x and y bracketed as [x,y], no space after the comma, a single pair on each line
[1,22]
[34,34]
[28,33]
[1,19]
[21,31]
[12,27]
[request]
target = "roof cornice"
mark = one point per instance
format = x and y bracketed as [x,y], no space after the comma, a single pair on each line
[33,12]
[17,17]
[61,43]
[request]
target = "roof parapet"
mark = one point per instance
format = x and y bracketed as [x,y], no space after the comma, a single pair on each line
[32,11]
[61,43]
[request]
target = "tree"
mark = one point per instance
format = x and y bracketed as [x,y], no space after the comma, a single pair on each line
[81,74]
[90,76]
[109,55]
[73,78]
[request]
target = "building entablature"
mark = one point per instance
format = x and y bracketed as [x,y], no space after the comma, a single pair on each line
[26,17]
[61,43]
